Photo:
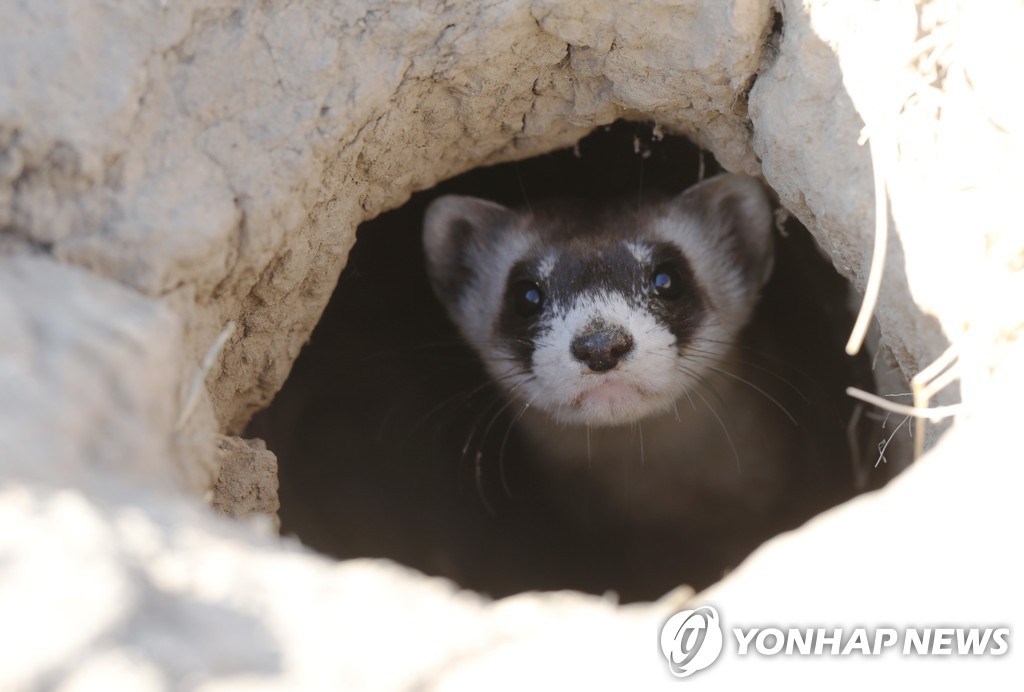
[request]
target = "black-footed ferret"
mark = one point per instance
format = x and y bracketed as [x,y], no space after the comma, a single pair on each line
[616,330]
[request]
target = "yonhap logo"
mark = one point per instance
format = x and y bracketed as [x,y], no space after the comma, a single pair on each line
[691,640]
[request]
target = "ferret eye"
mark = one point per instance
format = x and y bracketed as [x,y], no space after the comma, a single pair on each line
[666,282]
[527,298]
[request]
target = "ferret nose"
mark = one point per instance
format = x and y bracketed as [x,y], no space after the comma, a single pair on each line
[602,348]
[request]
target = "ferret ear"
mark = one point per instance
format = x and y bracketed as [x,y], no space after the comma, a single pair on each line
[735,209]
[452,226]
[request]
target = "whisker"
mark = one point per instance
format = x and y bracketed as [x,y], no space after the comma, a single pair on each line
[640,427]
[480,484]
[721,423]
[763,354]
[711,355]
[706,364]
[504,442]
[757,389]
[700,379]
[464,395]
[478,457]
[410,386]
[486,410]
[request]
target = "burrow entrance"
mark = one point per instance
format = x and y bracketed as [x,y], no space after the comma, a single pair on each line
[391,443]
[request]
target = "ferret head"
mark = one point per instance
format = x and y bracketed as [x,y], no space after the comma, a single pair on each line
[602,317]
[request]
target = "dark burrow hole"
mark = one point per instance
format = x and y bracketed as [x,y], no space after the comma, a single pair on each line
[380,428]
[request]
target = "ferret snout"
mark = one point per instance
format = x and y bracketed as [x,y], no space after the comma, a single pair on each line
[601,346]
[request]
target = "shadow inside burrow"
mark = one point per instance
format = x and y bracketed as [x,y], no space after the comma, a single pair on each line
[392,443]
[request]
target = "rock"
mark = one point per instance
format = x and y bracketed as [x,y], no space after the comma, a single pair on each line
[247,483]
[169,168]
